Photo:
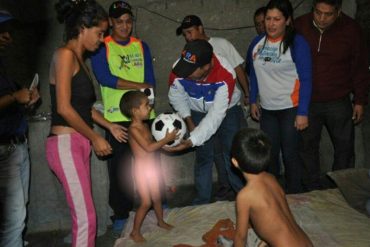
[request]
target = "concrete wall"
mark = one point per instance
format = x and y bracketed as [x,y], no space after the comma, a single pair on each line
[156,22]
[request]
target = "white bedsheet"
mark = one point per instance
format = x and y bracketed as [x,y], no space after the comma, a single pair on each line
[323,215]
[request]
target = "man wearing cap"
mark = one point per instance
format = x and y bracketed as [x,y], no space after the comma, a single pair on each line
[123,63]
[14,157]
[205,95]
[192,28]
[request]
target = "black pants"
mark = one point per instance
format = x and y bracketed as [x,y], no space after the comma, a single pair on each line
[121,183]
[279,126]
[336,116]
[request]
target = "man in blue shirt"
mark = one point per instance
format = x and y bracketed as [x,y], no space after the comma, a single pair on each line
[14,157]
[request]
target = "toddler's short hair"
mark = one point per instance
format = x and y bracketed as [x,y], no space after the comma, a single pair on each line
[252,149]
[131,100]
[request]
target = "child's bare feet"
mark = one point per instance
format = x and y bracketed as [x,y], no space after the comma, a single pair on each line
[164,225]
[137,237]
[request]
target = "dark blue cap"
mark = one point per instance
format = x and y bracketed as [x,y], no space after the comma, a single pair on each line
[5,16]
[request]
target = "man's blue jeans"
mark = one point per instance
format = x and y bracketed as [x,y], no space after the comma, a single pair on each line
[279,127]
[14,184]
[204,155]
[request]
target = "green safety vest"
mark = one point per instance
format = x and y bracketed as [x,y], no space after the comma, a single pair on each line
[126,62]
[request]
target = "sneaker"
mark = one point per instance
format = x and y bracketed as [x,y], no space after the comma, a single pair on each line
[165,205]
[68,239]
[118,226]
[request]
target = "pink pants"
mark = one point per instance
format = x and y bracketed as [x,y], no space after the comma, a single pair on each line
[69,158]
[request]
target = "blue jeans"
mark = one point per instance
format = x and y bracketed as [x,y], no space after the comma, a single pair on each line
[205,155]
[14,184]
[279,126]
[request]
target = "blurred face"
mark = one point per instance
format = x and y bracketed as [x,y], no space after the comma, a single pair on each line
[275,23]
[193,33]
[5,34]
[202,72]
[122,27]
[259,23]
[324,15]
[144,109]
[5,39]
[94,36]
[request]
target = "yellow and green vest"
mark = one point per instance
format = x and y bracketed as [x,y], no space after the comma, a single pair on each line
[126,62]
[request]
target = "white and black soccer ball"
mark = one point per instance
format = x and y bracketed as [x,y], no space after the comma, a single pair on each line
[150,93]
[168,121]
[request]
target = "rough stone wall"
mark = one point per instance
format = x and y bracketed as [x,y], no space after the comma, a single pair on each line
[156,21]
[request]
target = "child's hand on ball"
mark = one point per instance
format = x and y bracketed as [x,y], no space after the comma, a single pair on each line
[173,135]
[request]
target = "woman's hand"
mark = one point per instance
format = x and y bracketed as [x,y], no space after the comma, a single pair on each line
[101,146]
[255,111]
[301,122]
[119,132]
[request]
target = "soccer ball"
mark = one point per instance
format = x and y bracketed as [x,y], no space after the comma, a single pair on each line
[168,121]
[150,93]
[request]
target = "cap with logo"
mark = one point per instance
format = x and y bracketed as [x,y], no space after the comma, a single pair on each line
[188,21]
[119,8]
[195,54]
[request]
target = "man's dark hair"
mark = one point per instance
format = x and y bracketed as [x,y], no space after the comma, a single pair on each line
[260,11]
[130,101]
[252,149]
[336,3]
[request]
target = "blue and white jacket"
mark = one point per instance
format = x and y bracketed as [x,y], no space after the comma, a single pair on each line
[213,96]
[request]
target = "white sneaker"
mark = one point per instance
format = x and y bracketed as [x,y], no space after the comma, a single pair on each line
[68,239]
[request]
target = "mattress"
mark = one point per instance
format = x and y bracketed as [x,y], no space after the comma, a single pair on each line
[324,215]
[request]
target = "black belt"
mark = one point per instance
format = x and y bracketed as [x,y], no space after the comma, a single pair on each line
[5,140]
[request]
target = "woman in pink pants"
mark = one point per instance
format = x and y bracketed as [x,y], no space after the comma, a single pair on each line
[72,97]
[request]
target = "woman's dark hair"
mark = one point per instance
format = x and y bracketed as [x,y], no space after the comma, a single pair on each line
[285,7]
[77,14]
[131,100]
[252,150]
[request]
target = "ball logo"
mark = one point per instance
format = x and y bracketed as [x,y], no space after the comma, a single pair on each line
[188,57]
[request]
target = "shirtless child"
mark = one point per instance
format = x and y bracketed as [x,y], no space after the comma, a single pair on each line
[261,203]
[135,105]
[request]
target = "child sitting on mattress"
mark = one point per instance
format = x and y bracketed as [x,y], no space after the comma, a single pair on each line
[135,105]
[261,204]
